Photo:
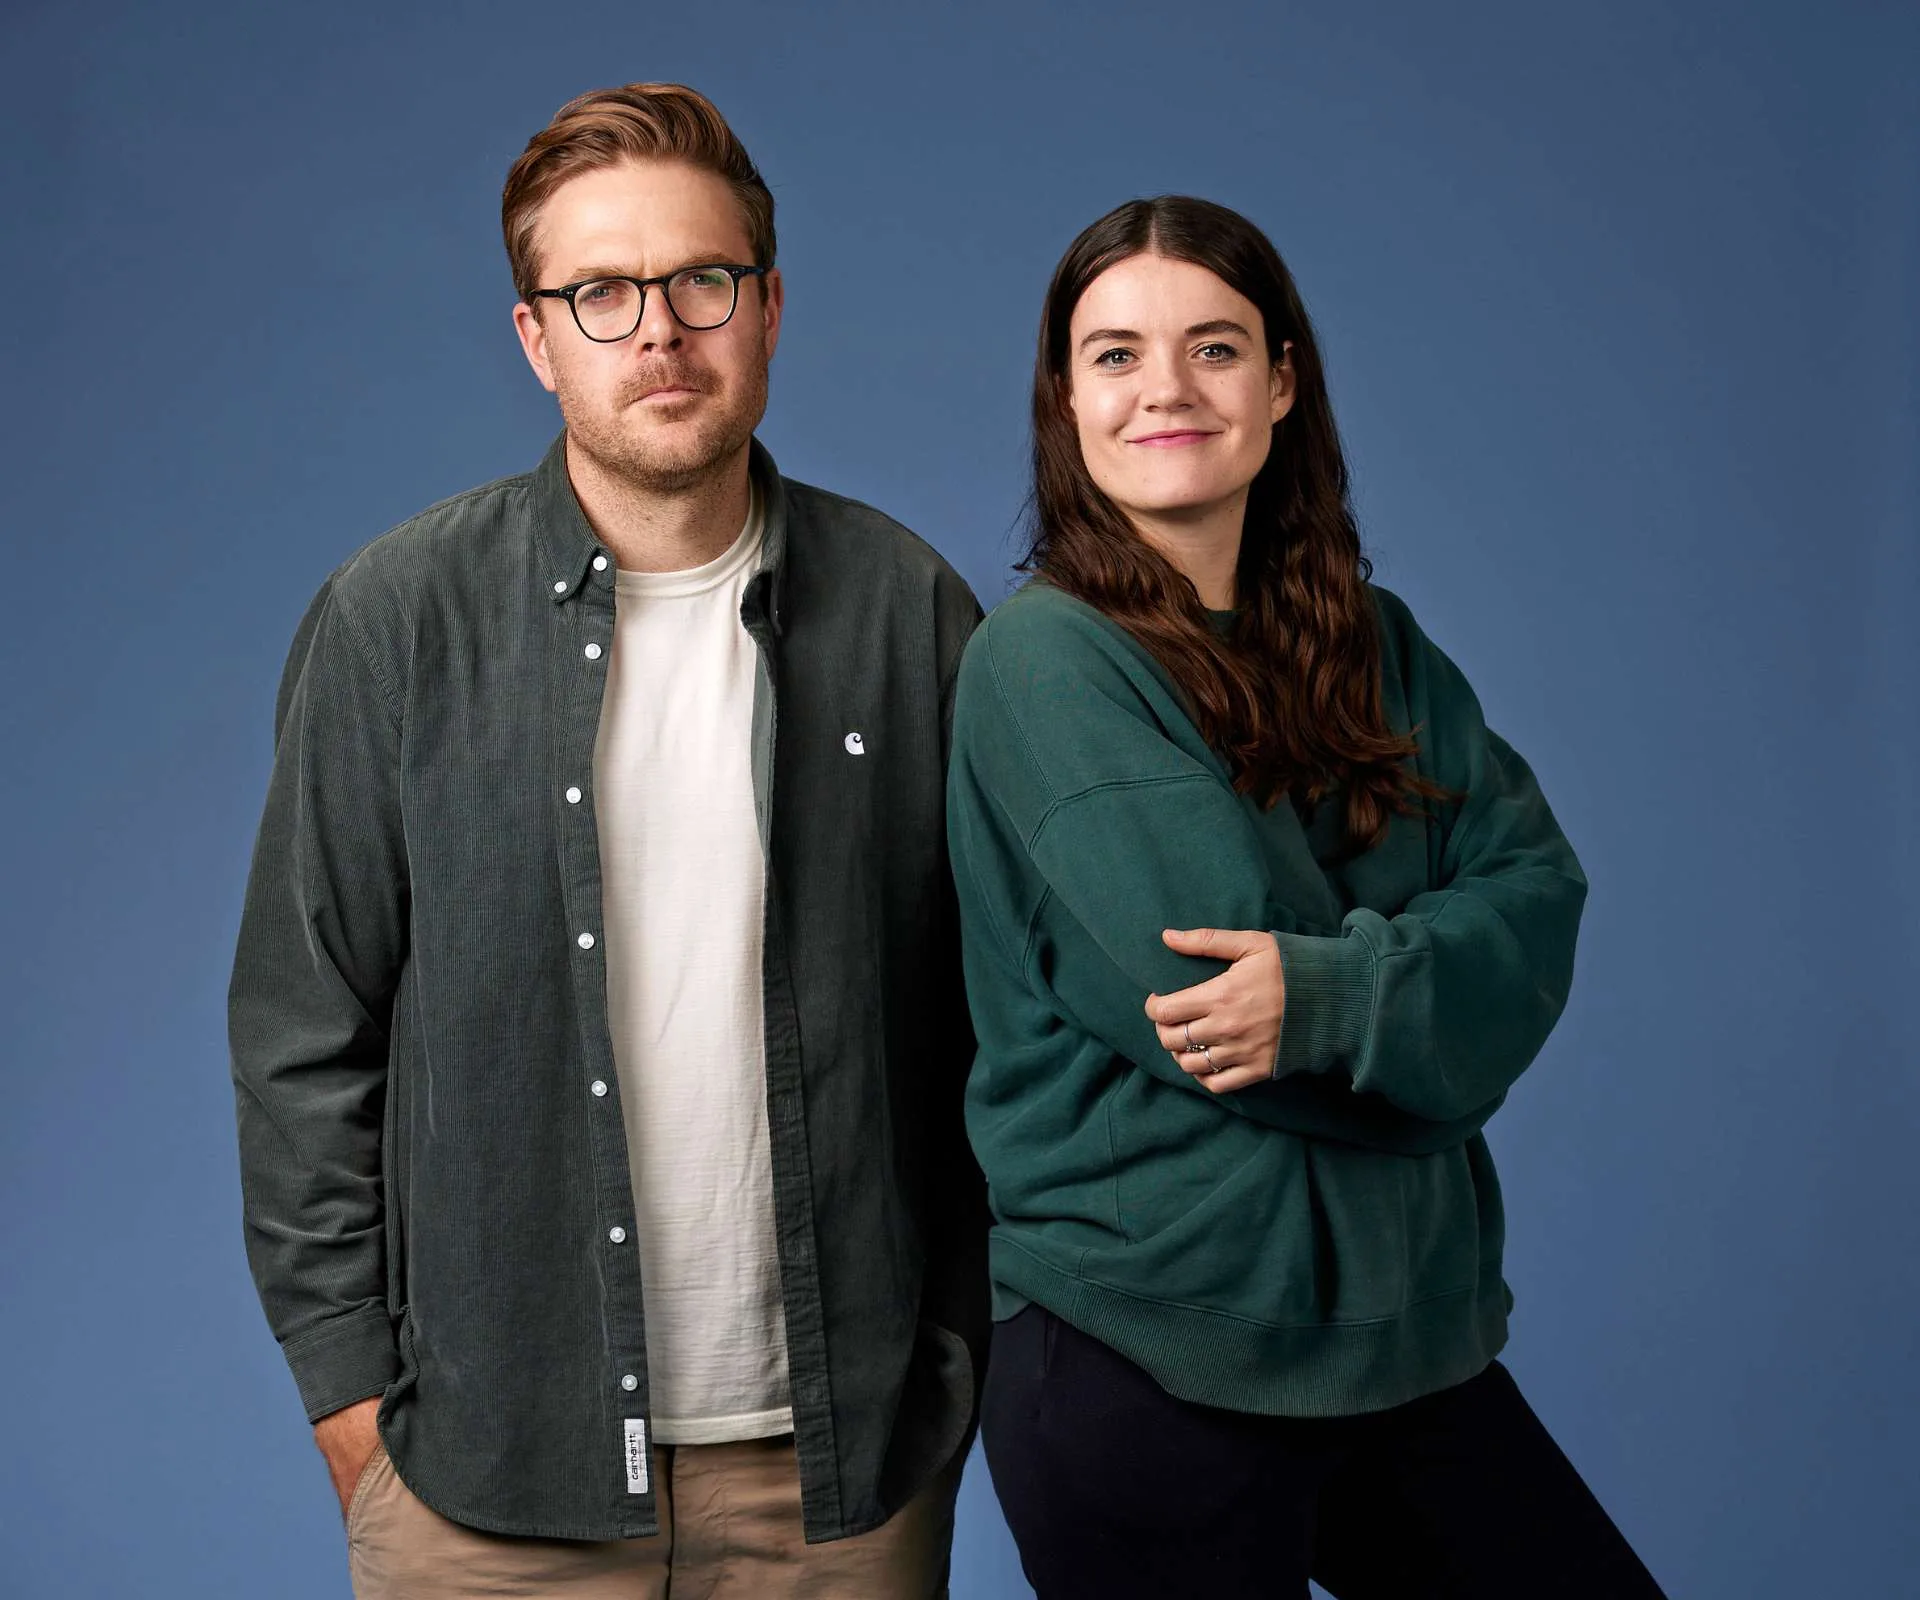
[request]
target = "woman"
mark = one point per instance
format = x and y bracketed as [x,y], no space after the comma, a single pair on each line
[1261,922]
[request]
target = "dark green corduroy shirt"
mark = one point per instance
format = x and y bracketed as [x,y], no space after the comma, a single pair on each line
[431,1147]
[1327,1242]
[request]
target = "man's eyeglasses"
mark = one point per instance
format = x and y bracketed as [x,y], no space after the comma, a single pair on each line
[608,310]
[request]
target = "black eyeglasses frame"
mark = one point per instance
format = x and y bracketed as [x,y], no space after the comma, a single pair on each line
[567,291]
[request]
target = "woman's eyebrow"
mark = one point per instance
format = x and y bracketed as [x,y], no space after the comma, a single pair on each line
[1217,325]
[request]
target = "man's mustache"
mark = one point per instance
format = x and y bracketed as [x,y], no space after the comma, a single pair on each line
[666,375]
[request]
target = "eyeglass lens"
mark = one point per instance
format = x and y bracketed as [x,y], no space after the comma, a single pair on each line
[610,308]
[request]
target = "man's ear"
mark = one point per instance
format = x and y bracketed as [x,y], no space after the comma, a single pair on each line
[533,342]
[773,305]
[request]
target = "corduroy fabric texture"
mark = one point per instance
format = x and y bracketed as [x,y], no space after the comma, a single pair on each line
[432,1152]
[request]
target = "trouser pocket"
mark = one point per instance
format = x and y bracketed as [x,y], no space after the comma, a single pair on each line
[378,1464]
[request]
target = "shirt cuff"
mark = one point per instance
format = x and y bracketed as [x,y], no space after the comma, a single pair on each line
[346,1358]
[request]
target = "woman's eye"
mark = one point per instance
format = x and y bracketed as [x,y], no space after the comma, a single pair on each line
[1113,358]
[1217,352]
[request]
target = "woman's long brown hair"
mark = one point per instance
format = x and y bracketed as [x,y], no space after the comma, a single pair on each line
[1291,700]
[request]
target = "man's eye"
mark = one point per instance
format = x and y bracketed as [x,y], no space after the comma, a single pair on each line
[704,278]
[598,294]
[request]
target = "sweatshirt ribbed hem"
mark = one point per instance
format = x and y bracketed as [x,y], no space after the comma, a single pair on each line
[1329,1004]
[1317,1370]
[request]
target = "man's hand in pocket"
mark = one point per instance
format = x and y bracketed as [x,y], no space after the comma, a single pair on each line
[348,1438]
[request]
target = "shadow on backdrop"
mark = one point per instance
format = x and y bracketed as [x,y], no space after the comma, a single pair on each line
[1619,318]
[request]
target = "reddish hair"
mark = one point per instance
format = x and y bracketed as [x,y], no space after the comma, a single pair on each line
[640,122]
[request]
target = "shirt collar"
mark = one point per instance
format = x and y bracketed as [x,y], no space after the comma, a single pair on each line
[569,547]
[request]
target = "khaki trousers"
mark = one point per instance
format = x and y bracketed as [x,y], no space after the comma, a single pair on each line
[729,1530]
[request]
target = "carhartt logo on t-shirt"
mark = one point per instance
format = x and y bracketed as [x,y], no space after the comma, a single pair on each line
[856,745]
[636,1455]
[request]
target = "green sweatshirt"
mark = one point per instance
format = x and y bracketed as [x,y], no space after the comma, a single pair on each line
[1318,1245]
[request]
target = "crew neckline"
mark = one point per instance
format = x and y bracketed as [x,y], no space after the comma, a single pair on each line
[708,575]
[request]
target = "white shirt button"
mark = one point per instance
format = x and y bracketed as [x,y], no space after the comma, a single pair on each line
[599,563]
[599,1088]
[560,586]
[617,1235]
[586,941]
[593,652]
[629,1383]
[573,796]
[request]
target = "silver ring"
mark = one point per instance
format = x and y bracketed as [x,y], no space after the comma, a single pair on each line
[1191,1046]
[1207,1051]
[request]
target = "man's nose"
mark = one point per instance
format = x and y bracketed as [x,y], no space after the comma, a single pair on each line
[658,330]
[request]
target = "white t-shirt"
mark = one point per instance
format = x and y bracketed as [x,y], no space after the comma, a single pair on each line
[684,885]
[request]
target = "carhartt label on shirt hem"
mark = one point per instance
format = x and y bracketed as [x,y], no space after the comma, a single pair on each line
[636,1455]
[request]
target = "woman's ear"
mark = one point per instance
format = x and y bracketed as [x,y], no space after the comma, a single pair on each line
[1280,383]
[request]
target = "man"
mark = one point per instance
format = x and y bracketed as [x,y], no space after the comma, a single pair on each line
[598,1027]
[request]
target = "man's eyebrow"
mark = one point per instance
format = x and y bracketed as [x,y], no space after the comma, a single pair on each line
[704,258]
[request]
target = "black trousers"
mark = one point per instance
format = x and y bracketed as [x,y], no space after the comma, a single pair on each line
[1113,1488]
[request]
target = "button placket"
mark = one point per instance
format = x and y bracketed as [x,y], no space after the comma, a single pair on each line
[584,620]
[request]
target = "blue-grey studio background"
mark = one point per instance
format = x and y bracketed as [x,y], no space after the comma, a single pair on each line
[1619,305]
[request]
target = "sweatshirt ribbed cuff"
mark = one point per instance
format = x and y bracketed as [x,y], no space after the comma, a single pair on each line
[346,1358]
[1329,1009]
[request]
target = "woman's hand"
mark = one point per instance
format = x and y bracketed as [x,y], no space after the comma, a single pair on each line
[1235,1015]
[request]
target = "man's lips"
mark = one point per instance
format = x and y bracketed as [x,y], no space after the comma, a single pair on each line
[1173,437]
[665,385]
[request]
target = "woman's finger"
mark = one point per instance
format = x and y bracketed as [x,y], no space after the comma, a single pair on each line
[1218,944]
[1211,1028]
[1185,1005]
[1225,1082]
[1214,1059]
[1231,1071]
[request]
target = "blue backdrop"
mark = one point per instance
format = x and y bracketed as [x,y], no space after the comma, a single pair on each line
[1619,305]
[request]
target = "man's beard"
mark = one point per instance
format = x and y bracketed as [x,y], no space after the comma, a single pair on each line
[664,460]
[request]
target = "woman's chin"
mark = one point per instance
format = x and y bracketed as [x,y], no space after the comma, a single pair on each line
[1182,502]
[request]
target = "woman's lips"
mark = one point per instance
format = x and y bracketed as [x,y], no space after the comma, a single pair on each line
[1173,438]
